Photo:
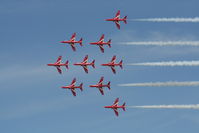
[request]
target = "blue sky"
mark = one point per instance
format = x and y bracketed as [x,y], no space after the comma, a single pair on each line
[31,99]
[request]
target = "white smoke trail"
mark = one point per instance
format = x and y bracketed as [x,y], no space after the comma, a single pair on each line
[169,63]
[192,106]
[177,20]
[164,43]
[162,84]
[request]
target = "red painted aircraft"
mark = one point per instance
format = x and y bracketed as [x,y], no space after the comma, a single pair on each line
[100,85]
[117,19]
[72,41]
[112,64]
[72,87]
[85,64]
[58,64]
[101,42]
[115,106]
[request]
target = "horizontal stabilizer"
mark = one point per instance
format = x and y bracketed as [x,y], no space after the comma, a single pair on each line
[93,63]
[120,64]
[109,43]
[109,85]
[80,42]
[124,105]
[125,19]
[67,64]
[81,86]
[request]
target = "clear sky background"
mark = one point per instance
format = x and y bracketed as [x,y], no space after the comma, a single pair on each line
[31,100]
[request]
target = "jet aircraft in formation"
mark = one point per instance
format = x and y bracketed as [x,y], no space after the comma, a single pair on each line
[72,87]
[112,64]
[117,19]
[101,43]
[115,106]
[58,64]
[100,85]
[72,41]
[85,64]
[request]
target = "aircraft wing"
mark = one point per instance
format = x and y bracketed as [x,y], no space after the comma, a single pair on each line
[73,37]
[101,91]
[116,112]
[117,14]
[73,82]
[73,92]
[85,69]
[113,70]
[117,24]
[73,46]
[101,48]
[85,59]
[58,60]
[101,80]
[59,69]
[113,59]
[101,38]
[116,101]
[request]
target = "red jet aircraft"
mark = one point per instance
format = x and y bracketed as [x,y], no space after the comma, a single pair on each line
[100,85]
[115,106]
[112,64]
[117,19]
[58,64]
[85,64]
[101,42]
[72,41]
[72,87]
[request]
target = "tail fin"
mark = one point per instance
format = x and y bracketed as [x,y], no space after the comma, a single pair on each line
[125,19]
[93,63]
[80,42]
[109,43]
[67,64]
[124,106]
[81,86]
[109,85]
[120,64]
